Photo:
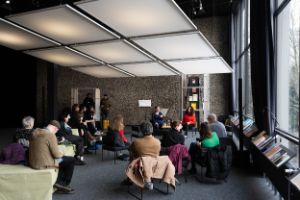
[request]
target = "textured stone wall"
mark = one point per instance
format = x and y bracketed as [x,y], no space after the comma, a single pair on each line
[124,93]
[216,30]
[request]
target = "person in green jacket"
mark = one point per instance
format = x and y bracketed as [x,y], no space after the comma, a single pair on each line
[209,139]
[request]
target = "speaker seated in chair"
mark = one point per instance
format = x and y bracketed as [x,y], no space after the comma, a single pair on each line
[189,120]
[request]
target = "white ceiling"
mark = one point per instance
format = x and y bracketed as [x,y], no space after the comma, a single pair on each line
[126,37]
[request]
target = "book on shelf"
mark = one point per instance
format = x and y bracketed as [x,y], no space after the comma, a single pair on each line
[295,180]
[190,98]
[194,90]
[262,139]
[272,151]
[194,105]
[195,97]
[250,131]
[283,158]
[246,123]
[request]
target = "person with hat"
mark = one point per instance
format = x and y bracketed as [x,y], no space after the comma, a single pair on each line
[44,153]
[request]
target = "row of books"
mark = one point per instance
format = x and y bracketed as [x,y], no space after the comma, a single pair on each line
[246,123]
[275,152]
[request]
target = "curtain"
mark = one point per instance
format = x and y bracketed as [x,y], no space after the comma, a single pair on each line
[262,64]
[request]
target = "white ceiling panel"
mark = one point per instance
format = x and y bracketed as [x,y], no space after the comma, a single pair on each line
[177,46]
[17,38]
[113,52]
[208,66]
[139,17]
[61,56]
[146,69]
[100,72]
[62,24]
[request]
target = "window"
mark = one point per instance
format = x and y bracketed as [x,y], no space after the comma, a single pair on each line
[242,54]
[287,61]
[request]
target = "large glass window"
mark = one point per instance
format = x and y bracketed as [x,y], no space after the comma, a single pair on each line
[287,59]
[242,55]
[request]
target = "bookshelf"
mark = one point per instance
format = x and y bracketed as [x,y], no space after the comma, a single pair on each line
[192,94]
[269,156]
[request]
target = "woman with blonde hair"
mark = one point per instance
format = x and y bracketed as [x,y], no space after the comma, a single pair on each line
[118,125]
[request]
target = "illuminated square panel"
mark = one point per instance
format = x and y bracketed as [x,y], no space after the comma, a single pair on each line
[177,46]
[100,72]
[208,66]
[113,52]
[139,17]
[17,38]
[146,69]
[61,56]
[62,24]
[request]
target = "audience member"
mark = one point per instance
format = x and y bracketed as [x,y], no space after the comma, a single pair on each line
[66,133]
[43,151]
[209,139]
[23,135]
[174,136]
[216,126]
[148,145]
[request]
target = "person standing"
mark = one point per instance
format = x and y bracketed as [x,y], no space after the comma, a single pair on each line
[105,107]
[89,101]
[44,153]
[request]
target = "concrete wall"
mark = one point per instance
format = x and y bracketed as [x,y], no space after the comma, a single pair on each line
[164,91]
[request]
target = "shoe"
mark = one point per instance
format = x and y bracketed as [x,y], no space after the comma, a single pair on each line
[149,185]
[63,188]
[79,162]
[60,191]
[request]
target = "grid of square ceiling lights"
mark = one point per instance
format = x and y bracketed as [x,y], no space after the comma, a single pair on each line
[74,40]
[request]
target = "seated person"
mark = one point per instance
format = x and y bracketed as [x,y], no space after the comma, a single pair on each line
[148,145]
[209,140]
[174,136]
[216,126]
[66,133]
[118,125]
[43,151]
[112,138]
[23,135]
[157,118]
[189,119]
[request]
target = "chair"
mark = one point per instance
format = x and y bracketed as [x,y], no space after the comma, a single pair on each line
[113,149]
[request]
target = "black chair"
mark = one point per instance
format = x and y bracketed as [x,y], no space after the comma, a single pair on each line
[113,149]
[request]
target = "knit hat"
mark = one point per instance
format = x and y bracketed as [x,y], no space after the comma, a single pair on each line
[55,123]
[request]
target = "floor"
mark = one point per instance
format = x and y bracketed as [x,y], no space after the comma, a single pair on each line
[102,180]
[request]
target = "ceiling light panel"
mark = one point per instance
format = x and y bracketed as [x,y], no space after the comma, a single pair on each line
[113,52]
[146,69]
[100,72]
[139,17]
[61,56]
[177,46]
[203,66]
[17,38]
[62,24]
